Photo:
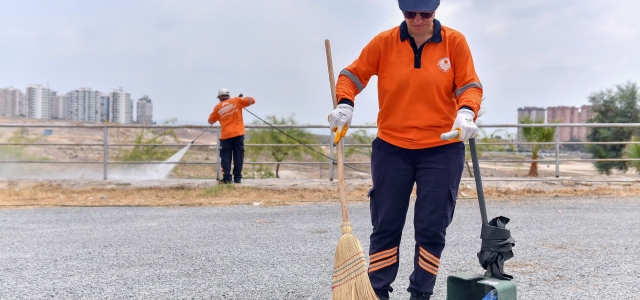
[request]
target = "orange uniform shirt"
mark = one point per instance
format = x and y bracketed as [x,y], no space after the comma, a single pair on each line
[229,113]
[420,90]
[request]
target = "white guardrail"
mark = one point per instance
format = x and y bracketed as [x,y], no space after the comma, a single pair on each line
[105,144]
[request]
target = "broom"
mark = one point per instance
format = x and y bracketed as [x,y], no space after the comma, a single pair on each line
[350,278]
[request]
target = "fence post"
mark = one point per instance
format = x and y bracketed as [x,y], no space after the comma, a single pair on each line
[557,151]
[105,151]
[331,151]
[218,153]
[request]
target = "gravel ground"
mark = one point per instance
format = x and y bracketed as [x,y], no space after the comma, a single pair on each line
[565,249]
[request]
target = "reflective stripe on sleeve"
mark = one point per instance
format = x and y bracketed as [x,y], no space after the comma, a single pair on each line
[466,87]
[353,78]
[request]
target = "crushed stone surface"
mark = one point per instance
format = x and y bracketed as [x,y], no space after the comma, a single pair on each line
[566,248]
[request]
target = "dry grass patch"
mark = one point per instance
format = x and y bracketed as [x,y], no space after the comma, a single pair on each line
[220,195]
[46,195]
[551,192]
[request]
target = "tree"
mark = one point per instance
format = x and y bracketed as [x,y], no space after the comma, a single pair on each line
[536,135]
[273,136]
[619,105]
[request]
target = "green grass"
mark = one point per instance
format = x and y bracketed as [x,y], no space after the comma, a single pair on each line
[218,190]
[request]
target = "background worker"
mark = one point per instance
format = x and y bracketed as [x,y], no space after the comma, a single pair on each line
[427,85]
[229,113]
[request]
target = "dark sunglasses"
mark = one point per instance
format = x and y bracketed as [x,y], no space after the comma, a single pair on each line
[413,14]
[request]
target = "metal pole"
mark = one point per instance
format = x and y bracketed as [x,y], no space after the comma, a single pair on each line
[557,151]
[476,175]
[331,154]
[218,154]
[105,151]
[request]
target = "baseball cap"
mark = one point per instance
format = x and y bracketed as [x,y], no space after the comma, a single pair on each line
[418,5]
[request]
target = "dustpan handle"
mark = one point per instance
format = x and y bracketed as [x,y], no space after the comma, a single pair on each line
[476,175]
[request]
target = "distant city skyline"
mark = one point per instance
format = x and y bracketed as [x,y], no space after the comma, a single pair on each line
[81,104]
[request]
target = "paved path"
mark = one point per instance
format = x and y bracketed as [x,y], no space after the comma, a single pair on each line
[565,249]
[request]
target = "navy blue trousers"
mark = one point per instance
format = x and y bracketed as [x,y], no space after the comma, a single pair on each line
[436,172]
[232,149]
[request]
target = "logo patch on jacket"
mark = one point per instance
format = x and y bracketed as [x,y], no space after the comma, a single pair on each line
[444,64]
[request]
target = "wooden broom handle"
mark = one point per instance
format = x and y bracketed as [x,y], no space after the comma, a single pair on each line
[341,186]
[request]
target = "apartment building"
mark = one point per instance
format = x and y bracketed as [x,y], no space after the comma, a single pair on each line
[570,114]
[83,104]
[120,107]
[12,103]
[38,102]
[535,114]
[105,101]
[144,111]
[58,107]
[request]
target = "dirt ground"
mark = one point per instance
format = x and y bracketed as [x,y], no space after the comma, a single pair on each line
[187,192]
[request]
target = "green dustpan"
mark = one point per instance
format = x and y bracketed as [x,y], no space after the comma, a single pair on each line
[471,285]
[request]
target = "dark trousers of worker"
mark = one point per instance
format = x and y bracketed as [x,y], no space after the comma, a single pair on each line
[232,149]
[436,172]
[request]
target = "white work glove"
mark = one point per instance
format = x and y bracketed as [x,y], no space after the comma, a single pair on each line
[464,124]
[340,120]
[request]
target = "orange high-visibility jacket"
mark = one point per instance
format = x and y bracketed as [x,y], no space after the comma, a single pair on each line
[229,113]
[420,90]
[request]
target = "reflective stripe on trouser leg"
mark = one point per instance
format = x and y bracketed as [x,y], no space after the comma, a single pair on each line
[393,179]
[438,172]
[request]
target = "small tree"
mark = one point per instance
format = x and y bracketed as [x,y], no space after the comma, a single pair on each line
[633,151]
[613,106]
[536,135]
[359,137]
[21,136]
[479,149]
[273,136]
[145,140]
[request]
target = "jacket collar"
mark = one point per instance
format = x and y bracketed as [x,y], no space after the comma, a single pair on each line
[435,38]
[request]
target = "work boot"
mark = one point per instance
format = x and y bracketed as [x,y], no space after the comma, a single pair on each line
[382,295]
[237,181]
[420,297]
[225,181]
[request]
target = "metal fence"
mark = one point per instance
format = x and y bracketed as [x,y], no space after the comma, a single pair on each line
[330,162]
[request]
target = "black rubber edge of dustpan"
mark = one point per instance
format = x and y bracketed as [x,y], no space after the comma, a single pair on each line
[496,239]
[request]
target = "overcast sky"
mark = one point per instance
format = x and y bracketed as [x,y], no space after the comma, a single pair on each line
[179,53]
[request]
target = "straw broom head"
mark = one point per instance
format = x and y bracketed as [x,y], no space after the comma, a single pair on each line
[350,278]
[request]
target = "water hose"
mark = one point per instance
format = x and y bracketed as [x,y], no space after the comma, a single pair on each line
[202,133]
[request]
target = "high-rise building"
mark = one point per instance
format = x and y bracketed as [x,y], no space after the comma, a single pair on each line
[559,114]
[58,107]
[12,103]
[120,107]
[104,107]
[144,111]
[38,100]
[534,114]
[566,114]
[83,104]
[585,114]
[5,103]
